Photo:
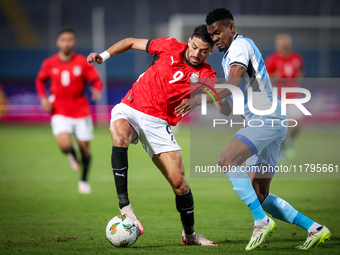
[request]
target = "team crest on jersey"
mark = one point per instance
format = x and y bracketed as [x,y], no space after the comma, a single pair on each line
[194,77]
[76,71]
[55,71]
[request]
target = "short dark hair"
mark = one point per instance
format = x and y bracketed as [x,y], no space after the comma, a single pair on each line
[201,32]
[218,14]
[66,30]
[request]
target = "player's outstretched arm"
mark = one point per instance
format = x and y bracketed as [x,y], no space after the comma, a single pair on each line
[118,48]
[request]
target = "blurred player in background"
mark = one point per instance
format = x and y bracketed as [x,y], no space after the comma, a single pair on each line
[147,111]
[68,105]
[244,67]
[284,66]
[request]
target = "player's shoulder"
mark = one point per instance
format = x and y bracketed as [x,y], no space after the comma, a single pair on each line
[241,41]
[81,60]
[79,57]
[272,56]
[296,55]
[206,68]
[52,59]
[168,40]
[166,44]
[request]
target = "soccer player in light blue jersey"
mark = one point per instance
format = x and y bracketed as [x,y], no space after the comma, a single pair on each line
[244,67]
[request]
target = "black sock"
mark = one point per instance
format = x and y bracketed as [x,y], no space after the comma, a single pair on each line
[72,151]
[119,163]
[185,206]
[86,167]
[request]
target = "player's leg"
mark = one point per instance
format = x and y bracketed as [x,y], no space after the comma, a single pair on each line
[276,206]
[83,130]
[62,131]
[172,167]
[282,210]
[236,152]
[231,158]
[83,185]
[122,134]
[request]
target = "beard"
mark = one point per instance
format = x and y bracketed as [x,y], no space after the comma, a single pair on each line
[222,49]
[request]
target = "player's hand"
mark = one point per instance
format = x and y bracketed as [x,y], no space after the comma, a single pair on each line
[185,107]
[95,94]
[46,105]
[94,57]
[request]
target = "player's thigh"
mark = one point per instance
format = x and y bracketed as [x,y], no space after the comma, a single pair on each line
[124,127]
[122,133]
[64,141]
[234,154]
[62,129]
[172,167]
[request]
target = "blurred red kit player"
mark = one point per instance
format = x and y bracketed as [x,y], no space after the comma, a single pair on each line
[68,73]
[285,65]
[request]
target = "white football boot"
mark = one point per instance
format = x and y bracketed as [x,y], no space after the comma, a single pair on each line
[128,211]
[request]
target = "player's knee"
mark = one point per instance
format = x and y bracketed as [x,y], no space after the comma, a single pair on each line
[120,140]
[65,148]
[224,160]
[261,195]
[180,187]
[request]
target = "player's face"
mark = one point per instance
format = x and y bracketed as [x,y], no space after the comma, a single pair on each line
[222,33]
[198,51]
[66,42]
[283,44]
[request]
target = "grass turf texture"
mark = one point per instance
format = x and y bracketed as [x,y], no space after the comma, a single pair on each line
[42,212]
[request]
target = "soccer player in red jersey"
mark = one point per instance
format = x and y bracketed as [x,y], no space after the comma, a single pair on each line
[284,66]
[67,102]
[147,111]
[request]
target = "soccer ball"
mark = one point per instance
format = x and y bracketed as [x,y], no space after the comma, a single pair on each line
[122,231]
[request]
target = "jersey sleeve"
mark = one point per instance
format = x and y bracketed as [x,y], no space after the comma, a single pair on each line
[92,75]
[157,46]
[40,80]
[239,53]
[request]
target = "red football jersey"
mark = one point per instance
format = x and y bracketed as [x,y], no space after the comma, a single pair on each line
[161,88]
[68,84]
[287,68]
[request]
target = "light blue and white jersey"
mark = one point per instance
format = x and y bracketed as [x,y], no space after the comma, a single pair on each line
[244,52]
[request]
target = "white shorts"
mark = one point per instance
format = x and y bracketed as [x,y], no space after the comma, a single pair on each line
[81,128]
[154,134]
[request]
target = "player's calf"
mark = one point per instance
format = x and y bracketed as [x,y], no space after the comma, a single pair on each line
[119,163]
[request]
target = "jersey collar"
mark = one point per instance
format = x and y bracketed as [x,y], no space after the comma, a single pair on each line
[226,53]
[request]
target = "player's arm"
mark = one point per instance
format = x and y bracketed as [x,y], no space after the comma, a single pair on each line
[236,74]
[118,48]
[40,87]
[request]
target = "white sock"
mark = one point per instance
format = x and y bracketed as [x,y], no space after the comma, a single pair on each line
[262,221]
[314,227]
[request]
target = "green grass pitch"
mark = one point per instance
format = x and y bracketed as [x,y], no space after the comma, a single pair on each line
[41,211]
